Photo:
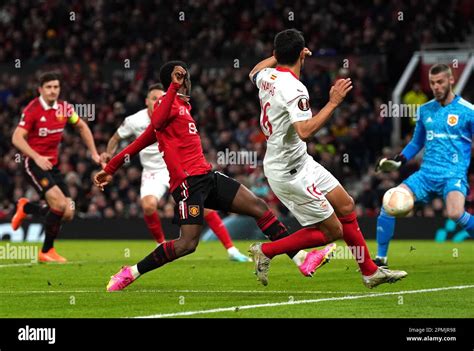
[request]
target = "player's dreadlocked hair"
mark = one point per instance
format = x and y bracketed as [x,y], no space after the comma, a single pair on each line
[166,69]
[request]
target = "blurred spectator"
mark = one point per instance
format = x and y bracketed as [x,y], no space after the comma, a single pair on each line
[90,51]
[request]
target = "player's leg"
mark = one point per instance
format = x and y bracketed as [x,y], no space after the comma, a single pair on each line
[163,254]
[150,215]
[416,184]
[173,249]
[51,186]
[38,179]
[384,233]
[153,187]
[69,211]
[246,203]
[189,211]
[24,207]
[216,224]
[58,204]
[455,197]
[306,201]
[344,207]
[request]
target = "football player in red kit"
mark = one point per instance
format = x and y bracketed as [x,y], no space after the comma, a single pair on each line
[38,136]
[193,184]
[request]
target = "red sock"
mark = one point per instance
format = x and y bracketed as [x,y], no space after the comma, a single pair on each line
[154,225]
[218,227]
[355,240]
[300,240]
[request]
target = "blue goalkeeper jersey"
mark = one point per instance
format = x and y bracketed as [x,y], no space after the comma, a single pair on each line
[446,133]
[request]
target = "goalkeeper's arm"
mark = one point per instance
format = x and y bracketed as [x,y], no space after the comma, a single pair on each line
[410,151]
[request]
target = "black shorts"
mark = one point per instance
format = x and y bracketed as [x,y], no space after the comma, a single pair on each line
[41,180]
[213,190]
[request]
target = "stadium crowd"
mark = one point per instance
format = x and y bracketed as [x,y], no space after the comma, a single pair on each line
[83,39]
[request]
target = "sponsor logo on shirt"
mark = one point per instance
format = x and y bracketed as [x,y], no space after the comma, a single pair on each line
[42,132]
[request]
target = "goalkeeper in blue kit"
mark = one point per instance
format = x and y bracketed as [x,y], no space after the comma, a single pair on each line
[444,128]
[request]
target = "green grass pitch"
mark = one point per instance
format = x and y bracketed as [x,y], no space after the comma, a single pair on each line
[440,284]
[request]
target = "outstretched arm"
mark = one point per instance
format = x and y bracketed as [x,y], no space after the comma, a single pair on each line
[416,143]
[145,139]
[409,151]
[268,62]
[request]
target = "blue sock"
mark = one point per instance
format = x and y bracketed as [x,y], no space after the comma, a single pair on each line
[385,229]
[466,221]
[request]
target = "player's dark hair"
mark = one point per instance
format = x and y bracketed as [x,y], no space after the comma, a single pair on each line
[288,45]
[440,68]
[48,77]
[156,86]
[166,69]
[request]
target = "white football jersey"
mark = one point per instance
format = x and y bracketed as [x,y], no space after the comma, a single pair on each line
[284,100]
[150,157]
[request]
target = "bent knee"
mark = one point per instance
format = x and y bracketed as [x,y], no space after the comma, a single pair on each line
[68,216]
[59,205]
[347,207]
[333,232]
[454,213]
[148,209]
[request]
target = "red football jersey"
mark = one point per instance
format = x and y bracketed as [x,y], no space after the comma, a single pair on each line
[179,140]
[45,125]
[175,130]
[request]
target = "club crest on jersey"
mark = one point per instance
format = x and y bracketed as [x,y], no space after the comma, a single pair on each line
[44,182]
[60,117]
[453,120]
[193,211]
[303,104]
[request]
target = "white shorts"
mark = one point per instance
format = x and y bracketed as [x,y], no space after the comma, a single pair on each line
[304,195]
[154,183]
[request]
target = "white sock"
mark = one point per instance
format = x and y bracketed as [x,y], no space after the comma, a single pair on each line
[135,272]
[299,258]
[232,251]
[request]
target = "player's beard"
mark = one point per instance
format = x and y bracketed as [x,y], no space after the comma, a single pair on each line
[442,97]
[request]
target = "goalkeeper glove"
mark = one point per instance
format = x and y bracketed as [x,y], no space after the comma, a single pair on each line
[390,164]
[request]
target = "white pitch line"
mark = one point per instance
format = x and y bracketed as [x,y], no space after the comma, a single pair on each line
[299,302]
[36,263]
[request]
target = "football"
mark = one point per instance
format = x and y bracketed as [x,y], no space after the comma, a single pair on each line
[398,202]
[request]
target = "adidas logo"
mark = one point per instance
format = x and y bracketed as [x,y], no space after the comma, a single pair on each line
[429,120]
[43,119]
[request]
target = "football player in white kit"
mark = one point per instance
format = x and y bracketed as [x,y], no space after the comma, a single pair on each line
[307,189]
[155,176]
